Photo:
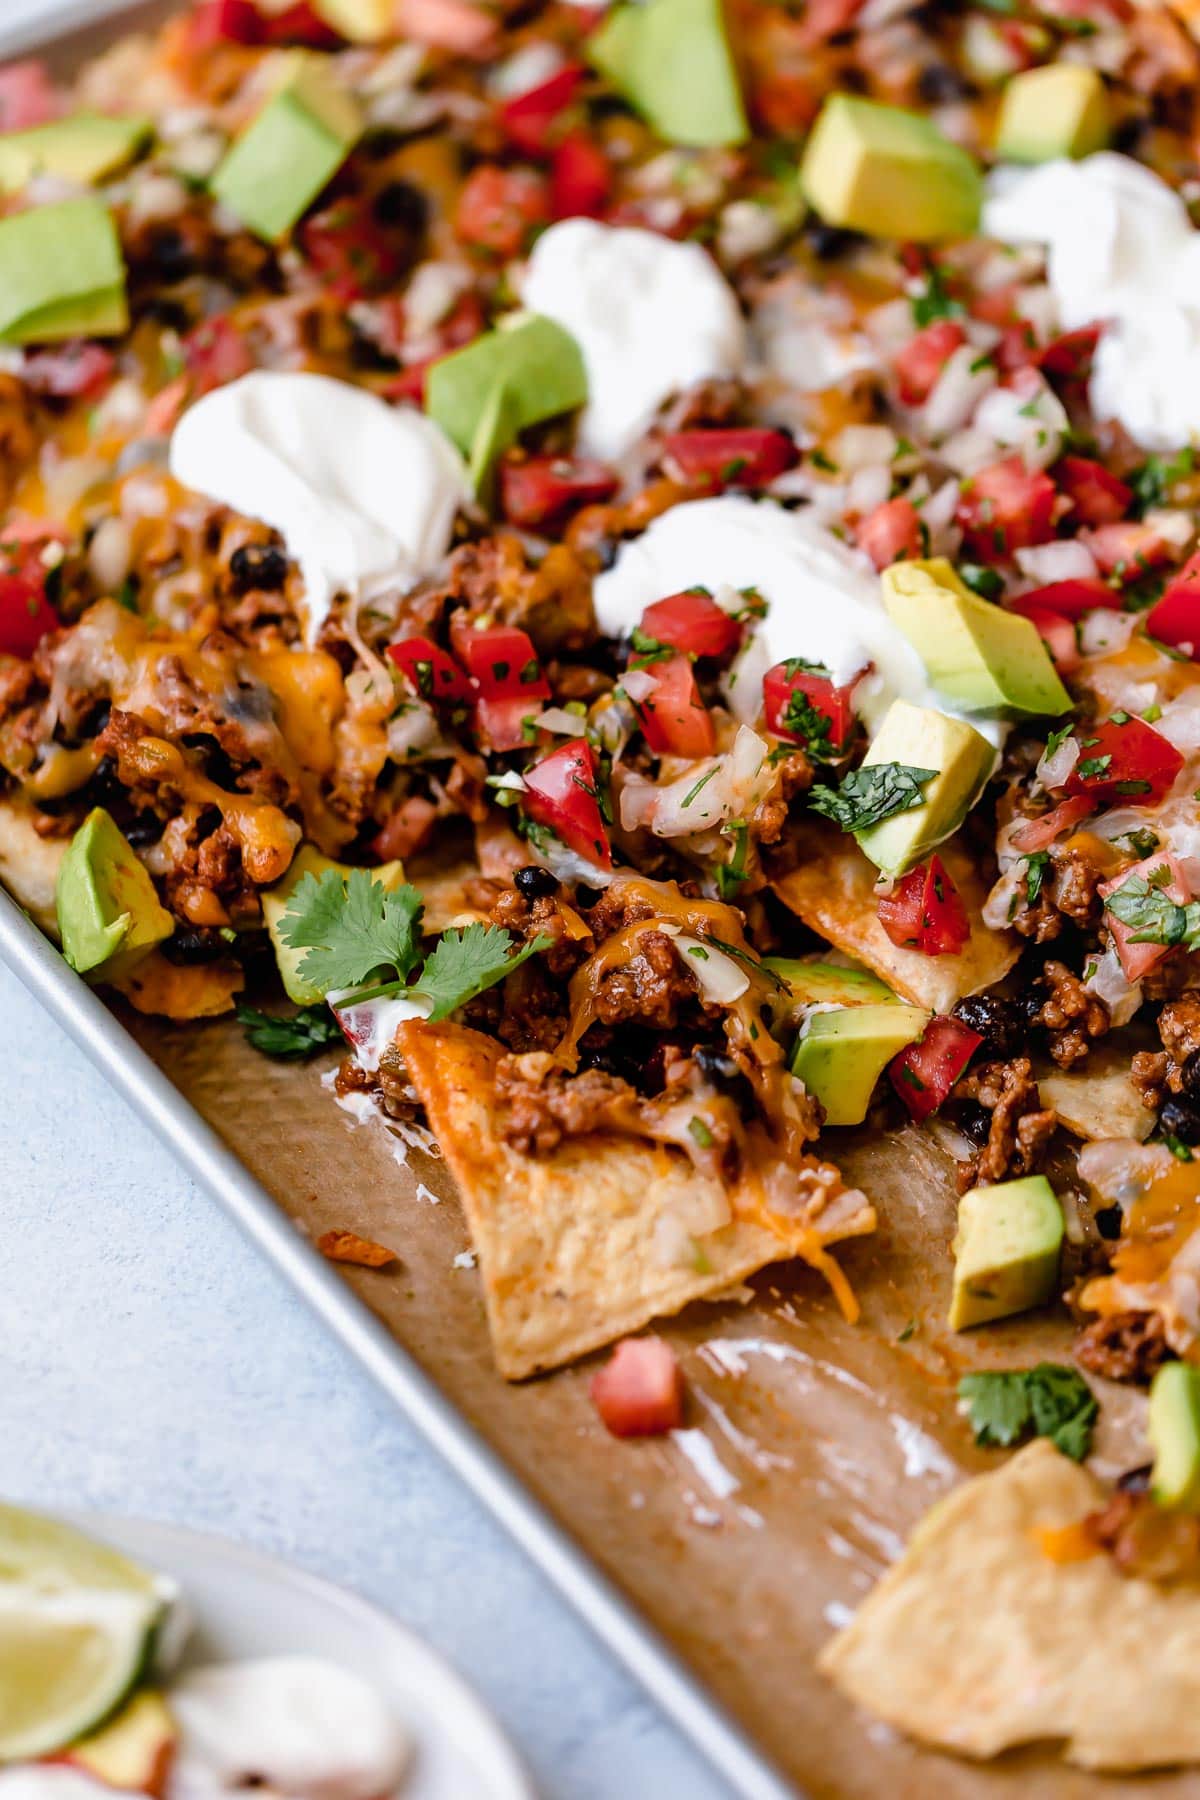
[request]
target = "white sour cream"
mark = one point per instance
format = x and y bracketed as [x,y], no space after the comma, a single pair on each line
[363,494]
[371,1025]
[50,1783]
[1121,251]
[651,316]
[823,599]
[304,1727]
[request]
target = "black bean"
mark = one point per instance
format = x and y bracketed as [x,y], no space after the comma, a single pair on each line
[401,206]
[1180,1118]
[996,1020]
[1190,1076]
[1136,1481]
[939,85]
[1108,1221]
[170,255]
[145,828]
[973,1120]
[261,566]
[534,882]
[830,241]
[194,945]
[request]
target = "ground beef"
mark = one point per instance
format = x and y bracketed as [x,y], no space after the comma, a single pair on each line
[718,401]
[652,988]
[1071,1016]
[1144,1539]
[1171,1070]
[1019,1128]
[795,776]
[1068,893]
[544,1104]
[497,577]
[615,909]
[1125,1346]
[543,915]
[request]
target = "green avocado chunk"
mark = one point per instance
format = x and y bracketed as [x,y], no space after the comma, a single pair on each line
[291,150]
[109,915]
[672,62]
[1006,1251]
[840,1055]
[85,147]
[1174,1427]
[814,983]
[485,395]
[277,899]
[890,173]
[921,738]
[61,274]
[1060,109]
[986,659]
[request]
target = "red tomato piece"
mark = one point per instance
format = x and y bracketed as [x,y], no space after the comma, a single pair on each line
[675,720]
[1129,548]
[27,96]
[303,26]
[891,533]
[346,244]
[499,208]
[639,1391]
[924,912]
[215,353]
[68,371]
[1006,507]
[1069,599]
[529,118]
[1123,758]
[692,622]
[923,358]
[1070,355]
[405,831]
[1098,497]
[429,670]
[1038,834]
[741,456]
[1175,619]
[785,101]
[506,724]
[461,26]
[580,179]
[788,680]
[25,613]
[502,661]
[924,1073]
[824,19]
[1138,959]
[535,490]
[224,22]
[561,791]
[1058,635]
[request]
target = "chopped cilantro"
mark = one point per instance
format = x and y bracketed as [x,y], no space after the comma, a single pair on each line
[304,1034]
[870,794]
[1035,874]
[1048,1401]
[1152,915]
[934,300]
[1153,481]
[982,580]
[699,1130]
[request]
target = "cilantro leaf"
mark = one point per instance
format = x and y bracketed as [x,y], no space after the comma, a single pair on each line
[1153,481]
[1048,1401]
[870,794]
[352,928]
[813,728]
[1035,874]
[934,300]
[305,1033]
[1152,914]
[468,962]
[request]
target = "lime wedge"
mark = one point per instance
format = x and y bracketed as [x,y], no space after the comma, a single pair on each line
[77,1630]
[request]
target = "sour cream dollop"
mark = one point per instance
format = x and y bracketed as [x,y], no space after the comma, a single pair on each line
[304,1727]
[1121,252]
[362,493]
[50,1783]
[823,599]
[651,316]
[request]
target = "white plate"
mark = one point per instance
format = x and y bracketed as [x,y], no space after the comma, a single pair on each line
[244,1604]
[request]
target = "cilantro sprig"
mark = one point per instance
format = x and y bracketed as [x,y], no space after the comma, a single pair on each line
[293,1039]
[1049,1401]
[466,963]
[1142,904]
[870,794]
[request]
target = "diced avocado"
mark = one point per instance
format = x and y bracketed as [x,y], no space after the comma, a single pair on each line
[1006,1251]
[508,379]
[671,60]
[132,1750]
[85,147]
[109,915]
[841,1055]
[1060,109]
[921,738]
[291,150]
[1174,1428]
[815,983]
[986,659]
[61,274]
[362,21]
[276,900]
[890,173]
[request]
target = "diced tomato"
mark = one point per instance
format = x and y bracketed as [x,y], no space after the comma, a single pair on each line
[461,26]
[639,1391]
[405,831]
[68,371]
[891,533]
[225,22]
[302,25]
[1006,507]
[923,358]
[996,306]
[503,661]
[1059,636]
[814,689]
[675,720]
[1098,497]
[1070,599]
[528,119]
[215,353]
[561,791]
[507,723]
[824,19]
[1161,871]
[580,179]
[499,208]
[1070,355]
[785,100]
[25,613]
[741,456]
[535,490]
[27,96]
[1129,548]
[1175,619]
[430,671]
[1123,758]
[924,912]
[924,1073]
[1039,834]
[692,622]
[346,244]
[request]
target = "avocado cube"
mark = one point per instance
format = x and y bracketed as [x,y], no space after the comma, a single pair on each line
[672,62]
[277,899]
[1006,1251]
[109,916]
[840,1055]
[1060,109]
[919,737]
[484,395]
[890,173]
[1174,1427]
[61,274]
[986,659]
[85,148]
[811,982]
[290,151]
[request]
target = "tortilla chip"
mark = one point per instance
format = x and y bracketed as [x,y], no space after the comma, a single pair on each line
[181,990]
[29,865]
[833,890]
[569,1245]
[348,1247]
[1099,1100]
[977,1640]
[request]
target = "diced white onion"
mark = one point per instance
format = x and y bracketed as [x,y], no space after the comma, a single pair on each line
[1053,769]
[1028,418]
[960,387]
[863,447]
[639,684]
[1171,524]
[718,977]
[110,553]
[1064,560]
[1109,983]
[868,488]
[561,722]
[1104,630]
[741,685]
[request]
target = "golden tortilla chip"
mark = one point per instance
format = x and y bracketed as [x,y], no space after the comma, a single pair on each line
[29,865]
[571,1245]
[1099,1100]
[181,991]
[348,1247]
[833,890]
[977,1640]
